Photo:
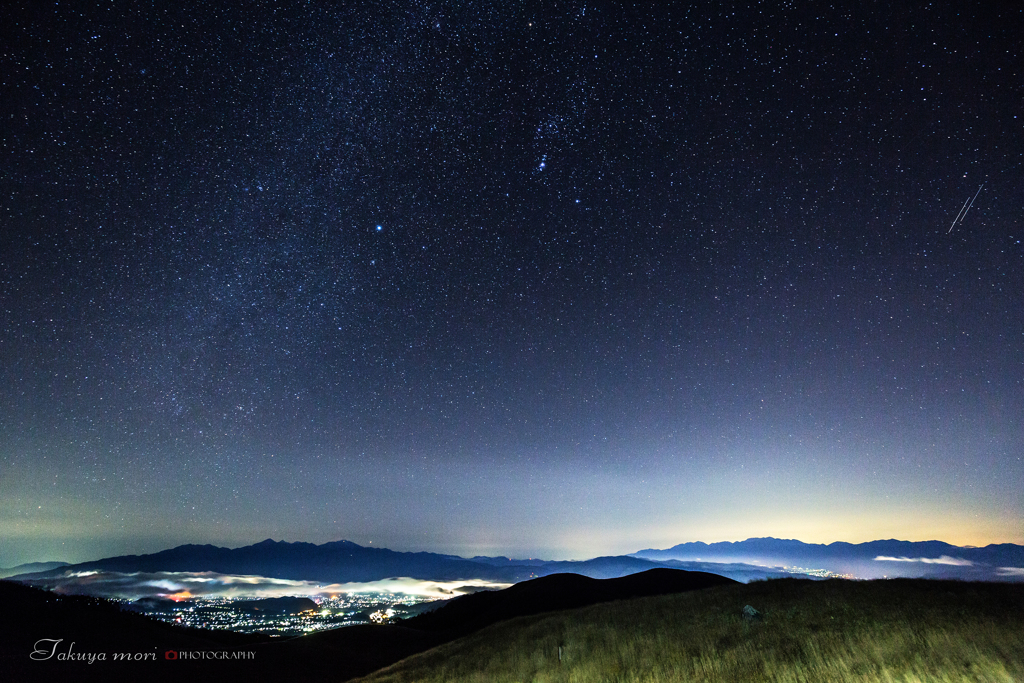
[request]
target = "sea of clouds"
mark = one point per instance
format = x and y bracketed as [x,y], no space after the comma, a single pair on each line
[178,585]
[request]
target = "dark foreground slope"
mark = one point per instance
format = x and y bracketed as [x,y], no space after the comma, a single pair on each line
[35,620]
[864,631]
[44,636]
[472,612]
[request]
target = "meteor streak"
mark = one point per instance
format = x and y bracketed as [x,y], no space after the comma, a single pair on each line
[964,209]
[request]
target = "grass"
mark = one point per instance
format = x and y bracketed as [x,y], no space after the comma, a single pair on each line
[896,630]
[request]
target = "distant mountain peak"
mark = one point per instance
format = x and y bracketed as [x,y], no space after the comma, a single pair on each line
[882,558]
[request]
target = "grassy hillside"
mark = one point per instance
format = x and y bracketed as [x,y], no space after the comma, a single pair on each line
[469,613]
[897,630]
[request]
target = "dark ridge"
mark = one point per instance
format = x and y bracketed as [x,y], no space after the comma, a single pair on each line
[33,619]
[345,653]
[469,613]
[335,562]
[790,551]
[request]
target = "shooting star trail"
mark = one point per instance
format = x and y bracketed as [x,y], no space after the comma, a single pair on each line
[964,209]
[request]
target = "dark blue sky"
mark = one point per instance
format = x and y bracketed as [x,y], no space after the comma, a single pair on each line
[508,278]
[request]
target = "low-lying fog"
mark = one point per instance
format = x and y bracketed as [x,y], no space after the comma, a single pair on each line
[181,585]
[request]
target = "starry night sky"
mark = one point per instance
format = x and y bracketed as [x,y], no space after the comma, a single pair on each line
[558,279]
